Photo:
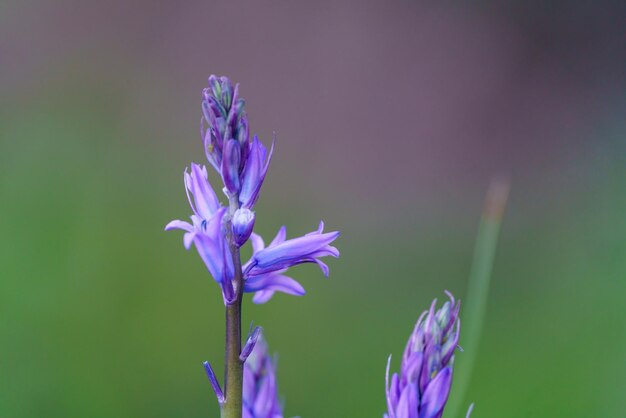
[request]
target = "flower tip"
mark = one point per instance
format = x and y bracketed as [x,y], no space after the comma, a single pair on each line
[469,411]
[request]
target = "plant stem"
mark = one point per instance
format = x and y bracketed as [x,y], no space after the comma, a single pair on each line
[475,303]
[233,369]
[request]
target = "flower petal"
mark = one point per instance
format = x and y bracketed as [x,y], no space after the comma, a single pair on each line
[407,405]
[294,248]
[254,173]
[177,224]
[212,248]
[257,242]
[204,198]
[262,296]
[275,282]
[188,239]
[280,236]
[436,394]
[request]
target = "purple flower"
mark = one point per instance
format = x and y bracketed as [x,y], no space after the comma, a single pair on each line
[260,390]
[422,387]
[206,228]
[263,273]
[241,163]
[223,112]
[218,232]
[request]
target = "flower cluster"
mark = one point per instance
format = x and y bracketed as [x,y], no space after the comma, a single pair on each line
[218,231]
[260,389]
[422,387]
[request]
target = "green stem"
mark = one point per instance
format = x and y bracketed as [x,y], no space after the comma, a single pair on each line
[475,302]
[233,370]
[232,406]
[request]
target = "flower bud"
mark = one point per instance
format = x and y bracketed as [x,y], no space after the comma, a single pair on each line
[427,363]
[216,88]
[230,166]
[227,92]
[243,223]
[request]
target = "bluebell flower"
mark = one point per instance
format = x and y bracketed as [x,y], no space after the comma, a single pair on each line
[263,273]
[218,232]
[205,231]
[421,389]
[260,388]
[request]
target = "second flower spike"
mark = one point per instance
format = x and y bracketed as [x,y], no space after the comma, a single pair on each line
[260,387]
[422,387]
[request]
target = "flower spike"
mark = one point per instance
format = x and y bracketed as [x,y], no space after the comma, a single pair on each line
[216,231]
[260,389]
[422,387]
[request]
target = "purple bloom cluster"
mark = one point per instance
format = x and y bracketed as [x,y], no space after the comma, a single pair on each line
[422,387]
[216,230]
[264,271]
[260,389]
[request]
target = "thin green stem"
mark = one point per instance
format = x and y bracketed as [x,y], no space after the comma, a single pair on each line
[475,302]
[233,370]
[232,406]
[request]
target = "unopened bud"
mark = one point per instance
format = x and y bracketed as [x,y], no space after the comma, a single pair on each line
[243,223]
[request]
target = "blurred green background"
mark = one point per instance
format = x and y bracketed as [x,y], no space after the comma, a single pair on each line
[391,117]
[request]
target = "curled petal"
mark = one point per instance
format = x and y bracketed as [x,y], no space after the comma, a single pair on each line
[176,224]
[322,266]
[275,282]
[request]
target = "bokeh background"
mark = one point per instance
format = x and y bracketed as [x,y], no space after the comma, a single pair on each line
[391,118]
